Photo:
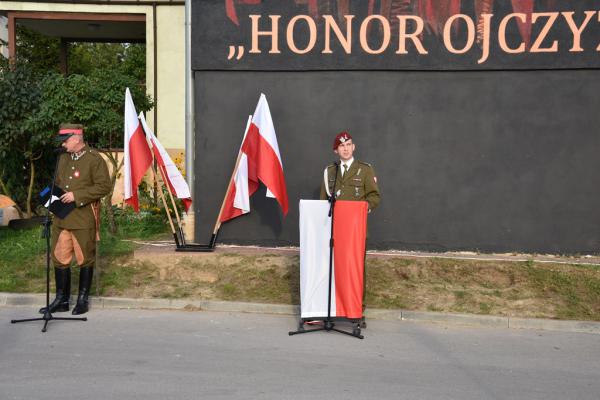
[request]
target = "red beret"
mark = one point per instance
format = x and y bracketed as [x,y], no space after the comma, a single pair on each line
[341,138]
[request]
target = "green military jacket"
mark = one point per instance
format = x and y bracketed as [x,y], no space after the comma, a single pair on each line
[359,183]
[88,179]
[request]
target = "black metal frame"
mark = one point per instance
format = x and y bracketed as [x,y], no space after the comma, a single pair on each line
[329,322]
[181,245]
[46,233]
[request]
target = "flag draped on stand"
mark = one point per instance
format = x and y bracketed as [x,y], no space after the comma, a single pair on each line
[137,157]
[349,234]
[260,161]
[173,178]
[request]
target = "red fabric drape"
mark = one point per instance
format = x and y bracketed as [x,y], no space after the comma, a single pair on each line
[230,8]
[435,13]
[525,7]
[349,233]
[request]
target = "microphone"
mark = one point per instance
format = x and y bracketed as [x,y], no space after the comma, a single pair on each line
[331,199]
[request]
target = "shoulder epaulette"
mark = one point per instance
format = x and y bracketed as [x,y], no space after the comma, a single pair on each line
[364,163]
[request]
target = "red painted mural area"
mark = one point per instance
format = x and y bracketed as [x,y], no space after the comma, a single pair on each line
[434,12]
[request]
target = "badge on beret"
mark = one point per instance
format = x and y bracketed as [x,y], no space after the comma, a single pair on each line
[341,138]
[375,179]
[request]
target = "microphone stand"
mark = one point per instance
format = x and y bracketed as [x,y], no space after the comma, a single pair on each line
[328,322]
[46,233]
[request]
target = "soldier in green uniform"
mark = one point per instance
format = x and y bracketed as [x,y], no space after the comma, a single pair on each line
[83,175]
[356,180]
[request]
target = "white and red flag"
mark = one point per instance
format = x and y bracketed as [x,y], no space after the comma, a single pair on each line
[137,157]
[349,234]
[169,171]
[260,161]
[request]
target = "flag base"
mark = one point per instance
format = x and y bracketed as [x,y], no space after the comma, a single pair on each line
[182,246]
[329,324]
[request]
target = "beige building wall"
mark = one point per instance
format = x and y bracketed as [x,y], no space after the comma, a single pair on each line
[171,77]
[170,91]
[119,192]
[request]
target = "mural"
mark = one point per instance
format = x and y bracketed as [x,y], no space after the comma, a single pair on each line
[395,34]
[434,12]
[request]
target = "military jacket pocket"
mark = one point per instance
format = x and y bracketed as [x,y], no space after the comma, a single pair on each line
[356,188]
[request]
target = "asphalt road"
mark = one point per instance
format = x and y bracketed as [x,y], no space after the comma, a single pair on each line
[135,354]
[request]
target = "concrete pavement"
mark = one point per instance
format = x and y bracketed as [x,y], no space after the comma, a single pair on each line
[38,300]
[150,354]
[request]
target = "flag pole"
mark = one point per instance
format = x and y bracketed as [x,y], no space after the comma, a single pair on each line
[218,221]
[235,168]
[179,240]
[179,225]
[162,197]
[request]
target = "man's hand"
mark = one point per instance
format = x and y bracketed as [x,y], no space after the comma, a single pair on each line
[68,197]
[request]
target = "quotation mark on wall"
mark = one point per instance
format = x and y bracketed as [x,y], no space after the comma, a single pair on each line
[237,52]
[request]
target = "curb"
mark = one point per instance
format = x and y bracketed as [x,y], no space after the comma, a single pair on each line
[459,319]
[485,321]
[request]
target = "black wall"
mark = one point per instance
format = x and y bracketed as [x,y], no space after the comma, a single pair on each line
[489,160]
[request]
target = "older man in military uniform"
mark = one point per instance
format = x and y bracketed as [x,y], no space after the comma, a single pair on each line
[84,177]
[356,180]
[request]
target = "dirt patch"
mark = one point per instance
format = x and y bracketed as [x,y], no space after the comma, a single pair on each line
[524,289]
[485,287]
[182,272]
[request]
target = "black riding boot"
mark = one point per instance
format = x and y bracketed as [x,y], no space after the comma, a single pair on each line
[62,277]
[85,283]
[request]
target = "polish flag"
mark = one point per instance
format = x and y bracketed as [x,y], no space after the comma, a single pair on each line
[260,161]
[349,235]
[169,171]
[138,157]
